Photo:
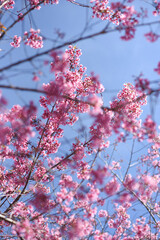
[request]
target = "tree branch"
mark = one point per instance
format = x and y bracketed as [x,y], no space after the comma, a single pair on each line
[6,219]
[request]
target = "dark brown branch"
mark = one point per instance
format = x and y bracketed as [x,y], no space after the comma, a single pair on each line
[11,87]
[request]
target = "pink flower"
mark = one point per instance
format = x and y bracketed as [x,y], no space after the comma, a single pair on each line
[104,12]
[142,84]
[152,182]
[79,228]
[151,37]
[41,201]
[16,41]
[157,8]
[112,187]
[130,183]
[157,69]
[129,33]
[99,175]
[60,63]
[20,16]
[103,213]
[36,2]
[35,78]
[32,39]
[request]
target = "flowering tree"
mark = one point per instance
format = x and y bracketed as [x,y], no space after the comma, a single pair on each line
[53,190]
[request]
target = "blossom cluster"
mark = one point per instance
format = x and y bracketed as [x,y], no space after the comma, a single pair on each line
[156,5]
[157,69]
[104,12]
[8,4]
[16,42]
[30,38]
[37,2]
[128,20]
[151,36]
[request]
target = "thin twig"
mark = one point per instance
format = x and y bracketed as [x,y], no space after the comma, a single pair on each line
[129,164]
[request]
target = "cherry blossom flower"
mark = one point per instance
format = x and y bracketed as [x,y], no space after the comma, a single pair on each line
[157,69]
[112,187]
[32,38]
[104,12]
[151,37]
[16,41]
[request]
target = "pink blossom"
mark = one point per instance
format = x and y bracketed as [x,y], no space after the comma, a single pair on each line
[3,101]
[104,12]
[32,38]
[142,84]
[35,78]
[103,213]
[151,37]
[99,175]
[16,41]
[102,236]
[67,181]
[20,16]
[79,228]
[157,69]
[149,128]
[152,182]
[129,33]
[157,8]
[97,104]
[24,229]
[112,187]
[130,183]
[142,230]
[59,64]
[93,194]
[36,2]
[41,201]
